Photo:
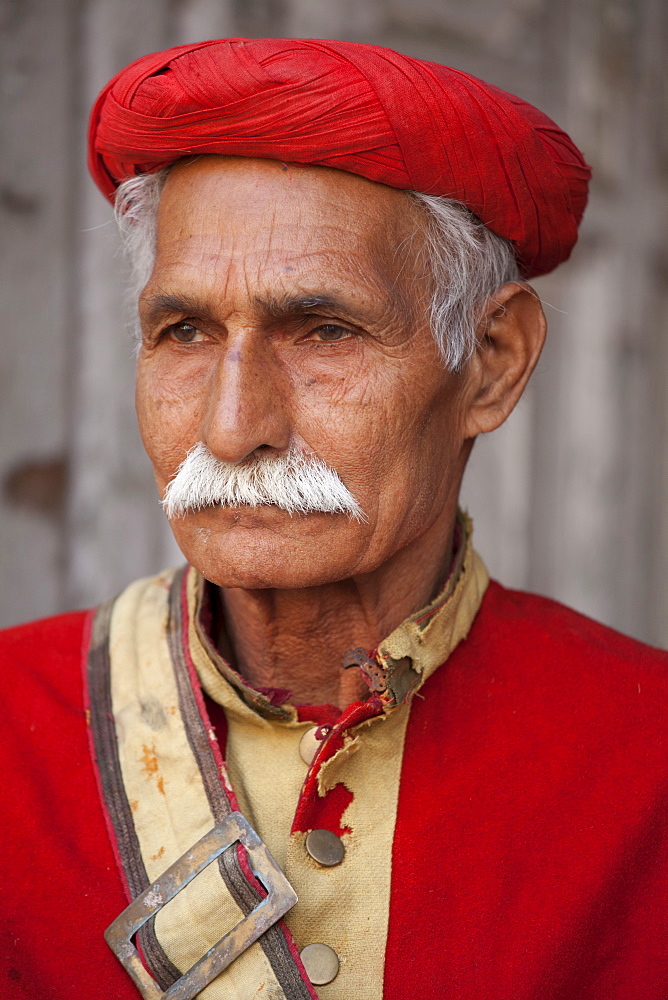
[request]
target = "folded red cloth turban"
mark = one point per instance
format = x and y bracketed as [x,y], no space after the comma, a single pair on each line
[411,124]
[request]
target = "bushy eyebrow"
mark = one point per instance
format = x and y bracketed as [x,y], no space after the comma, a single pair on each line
[161,304]
[274,307]
[289,306]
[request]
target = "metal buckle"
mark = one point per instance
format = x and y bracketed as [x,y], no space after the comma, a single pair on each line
[281,897]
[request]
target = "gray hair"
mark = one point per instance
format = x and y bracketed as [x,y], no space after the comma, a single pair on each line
[467,262]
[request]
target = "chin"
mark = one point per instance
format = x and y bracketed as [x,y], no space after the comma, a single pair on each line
[265,547]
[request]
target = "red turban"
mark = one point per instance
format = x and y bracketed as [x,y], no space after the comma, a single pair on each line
[411,124]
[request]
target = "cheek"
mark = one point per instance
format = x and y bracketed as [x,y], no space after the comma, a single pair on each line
[420,463]
[347,401]
[168,413]
[340,422]
[395,447]
[438,438]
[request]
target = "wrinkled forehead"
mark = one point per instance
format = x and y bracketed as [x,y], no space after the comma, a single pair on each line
[264,210]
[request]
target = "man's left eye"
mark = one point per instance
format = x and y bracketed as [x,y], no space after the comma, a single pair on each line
[330,333]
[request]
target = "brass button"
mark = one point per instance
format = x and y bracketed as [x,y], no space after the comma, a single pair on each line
[325,848]
[321,963]
[310,742]
[309,745]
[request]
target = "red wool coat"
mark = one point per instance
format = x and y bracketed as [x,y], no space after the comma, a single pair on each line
[530,857]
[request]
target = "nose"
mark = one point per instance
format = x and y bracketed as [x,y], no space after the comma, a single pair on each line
[246,406]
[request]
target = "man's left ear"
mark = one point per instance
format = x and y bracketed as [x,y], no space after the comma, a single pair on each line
[511,334]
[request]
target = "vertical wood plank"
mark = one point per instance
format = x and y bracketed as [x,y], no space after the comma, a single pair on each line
[35,200]
[346,19]
[594,523]
[115,527]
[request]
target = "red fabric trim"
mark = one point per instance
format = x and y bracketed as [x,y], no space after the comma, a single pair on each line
[320,715]
[328,811]
[325,812]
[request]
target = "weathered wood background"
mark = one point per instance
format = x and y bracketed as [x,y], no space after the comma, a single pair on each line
[570,498]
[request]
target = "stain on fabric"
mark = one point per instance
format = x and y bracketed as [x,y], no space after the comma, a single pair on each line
[153,714]
[149,761]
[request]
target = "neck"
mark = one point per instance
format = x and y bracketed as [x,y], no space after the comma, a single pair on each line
[295,639]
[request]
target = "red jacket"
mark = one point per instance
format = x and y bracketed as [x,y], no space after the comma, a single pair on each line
[530,859]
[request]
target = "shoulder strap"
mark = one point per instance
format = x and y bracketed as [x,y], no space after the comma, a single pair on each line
[164,785]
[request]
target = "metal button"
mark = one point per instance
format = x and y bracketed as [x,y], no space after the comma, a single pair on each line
[309,745]
[325,847]
[321,963]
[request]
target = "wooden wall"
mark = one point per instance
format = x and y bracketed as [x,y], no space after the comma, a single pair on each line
[570,498]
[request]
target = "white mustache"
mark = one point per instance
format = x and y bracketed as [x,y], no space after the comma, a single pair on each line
[296,482]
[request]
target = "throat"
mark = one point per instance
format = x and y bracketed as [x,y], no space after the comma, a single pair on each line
[296,640]
[304,659]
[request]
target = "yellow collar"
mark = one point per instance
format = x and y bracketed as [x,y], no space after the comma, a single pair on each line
[405,659]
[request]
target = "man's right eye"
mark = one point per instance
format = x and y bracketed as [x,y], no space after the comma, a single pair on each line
[184,333]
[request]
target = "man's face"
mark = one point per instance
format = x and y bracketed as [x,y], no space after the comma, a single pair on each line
[286,308]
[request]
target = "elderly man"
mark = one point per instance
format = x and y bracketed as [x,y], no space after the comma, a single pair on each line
[331,757]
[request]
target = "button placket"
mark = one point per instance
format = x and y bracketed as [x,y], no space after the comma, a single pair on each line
[320,845]
[320,961]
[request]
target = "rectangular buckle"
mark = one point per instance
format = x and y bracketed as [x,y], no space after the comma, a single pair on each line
[281,897]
